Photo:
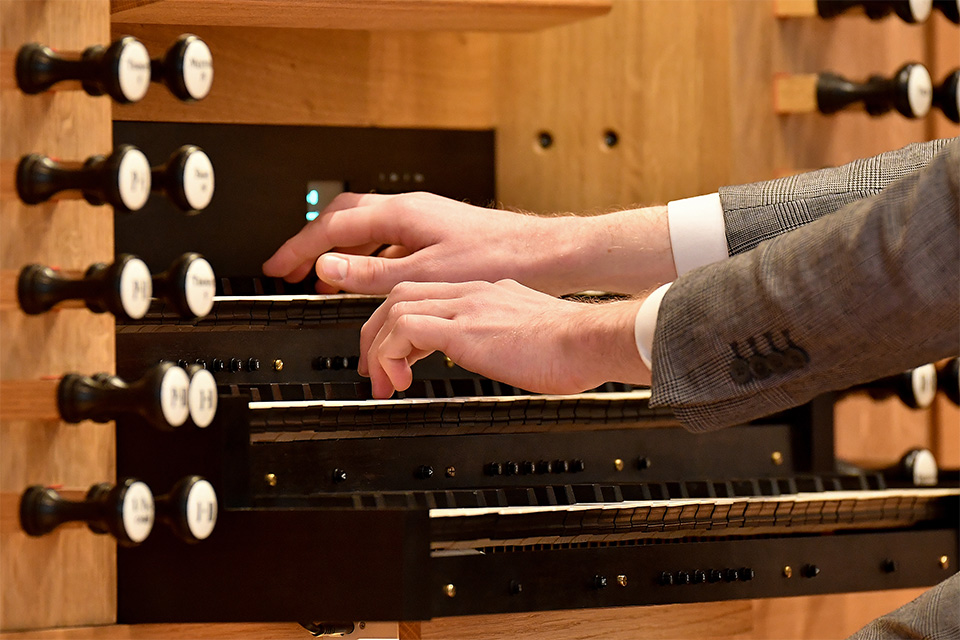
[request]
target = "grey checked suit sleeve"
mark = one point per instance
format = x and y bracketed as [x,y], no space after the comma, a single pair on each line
[756,212]
[935,615]
[867,291]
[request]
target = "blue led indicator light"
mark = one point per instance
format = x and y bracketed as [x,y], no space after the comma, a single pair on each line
[313,215]
[313,197]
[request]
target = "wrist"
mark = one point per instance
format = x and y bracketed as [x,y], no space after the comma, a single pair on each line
[603,338]
[622,252]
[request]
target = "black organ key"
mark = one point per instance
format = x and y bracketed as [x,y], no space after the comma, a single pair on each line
[202,396]
[123,288]
[911,11]
[122,179]
[946,96]
[948,379]
[190,509]
[121,70]
[188,285]
[949,8]
[186,178]
[161,397]
[125,511]
[186,68]
[909,91]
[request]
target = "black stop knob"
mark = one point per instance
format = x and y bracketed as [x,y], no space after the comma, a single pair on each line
[121,179]
[909,91]
[188,286]
[917,387]
[121,70]
[161,397]
[949,8]
[913,12]
[186,178]
[190,509]
[123,288]
[126,511]
[186,68]
[202,396]
[948,379]
[946,96]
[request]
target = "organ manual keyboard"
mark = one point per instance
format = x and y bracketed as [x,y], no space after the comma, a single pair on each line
[465,496]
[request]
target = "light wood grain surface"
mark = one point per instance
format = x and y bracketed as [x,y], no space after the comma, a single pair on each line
[67,578]
[453,15]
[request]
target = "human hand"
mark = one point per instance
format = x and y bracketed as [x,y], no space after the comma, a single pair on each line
[437,239]
[504,331]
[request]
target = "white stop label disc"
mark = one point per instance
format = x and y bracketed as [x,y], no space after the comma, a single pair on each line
[197,69]
[133,179]
[174,396]
[134,71]
[919,91]
[203,398]
[923,381]
[201,509]
[136,288]
[198,180]
[920,9]
[199,286]
[137,511]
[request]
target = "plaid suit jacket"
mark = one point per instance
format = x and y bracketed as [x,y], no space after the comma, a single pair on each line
[865,284]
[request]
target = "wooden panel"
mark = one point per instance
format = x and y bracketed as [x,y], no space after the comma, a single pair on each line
[712,619]
[250,631]
[337,78]
[470,15]
[68,577]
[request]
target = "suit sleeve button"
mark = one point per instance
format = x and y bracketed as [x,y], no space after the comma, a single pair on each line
[740,371]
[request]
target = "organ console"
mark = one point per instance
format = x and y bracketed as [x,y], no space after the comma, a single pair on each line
[123,288]
[909,91]
[126,510]
[122,70]
[946,96]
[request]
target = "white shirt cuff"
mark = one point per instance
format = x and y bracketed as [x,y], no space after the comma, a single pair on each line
[697,233]
[646,324]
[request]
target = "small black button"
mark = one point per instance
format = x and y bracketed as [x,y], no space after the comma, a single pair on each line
[320,363]
[599,582]
[515,588]
[544,466]
[683,577]
[493,469]
[643,462]
[759,367]
[795,357]
[527,467]
[236,364]
[666,578]
[202,363]
[776,361]
[888,566]
[183,364]
[253,364]
[511,468]
[561,466]
[747,574]
[218,365]
[740,371]
[715,575]
[699,577]
[810,571]
[577,466]
[339,475]
[731,575]
[424,472]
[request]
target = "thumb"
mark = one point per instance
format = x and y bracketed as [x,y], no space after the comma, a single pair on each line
[361,274]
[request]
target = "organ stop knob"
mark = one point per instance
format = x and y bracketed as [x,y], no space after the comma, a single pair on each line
[186,178]
[948,379]
[946,96]
[126,510]
[949,8]
[161,397]
[123,288]
[121,179]
[190,509]
[122,70]
[909,91]
[202,396]
[912,11]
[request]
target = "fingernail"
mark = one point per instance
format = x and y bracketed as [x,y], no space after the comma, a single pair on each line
[333,268]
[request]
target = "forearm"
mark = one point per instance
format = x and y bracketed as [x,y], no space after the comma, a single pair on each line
[624,252]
